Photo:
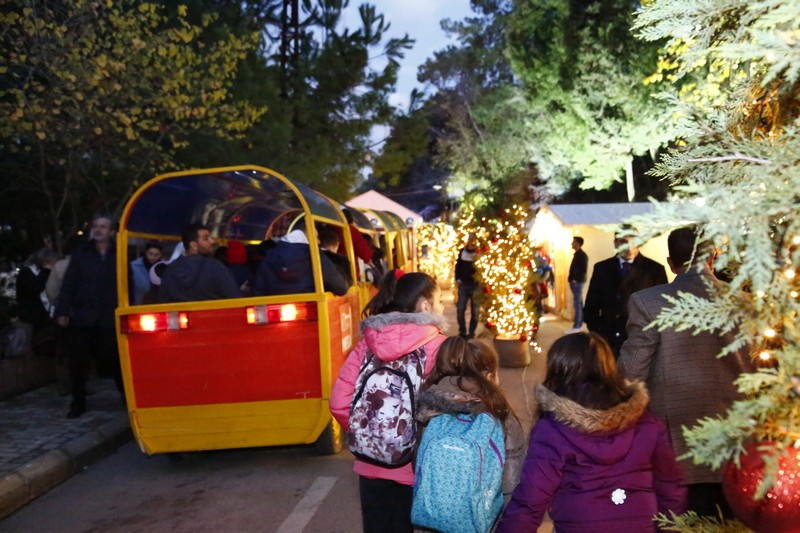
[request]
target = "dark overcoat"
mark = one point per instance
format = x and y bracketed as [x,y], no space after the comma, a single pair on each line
[605,310]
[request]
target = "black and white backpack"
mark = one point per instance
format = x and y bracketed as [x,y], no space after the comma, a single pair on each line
[383,429]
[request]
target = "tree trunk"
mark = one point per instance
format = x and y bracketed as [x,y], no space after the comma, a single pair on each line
[629,180]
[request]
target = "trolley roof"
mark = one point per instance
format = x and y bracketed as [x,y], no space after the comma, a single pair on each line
[235,202]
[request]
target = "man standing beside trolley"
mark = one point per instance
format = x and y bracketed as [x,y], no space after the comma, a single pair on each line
[86,307]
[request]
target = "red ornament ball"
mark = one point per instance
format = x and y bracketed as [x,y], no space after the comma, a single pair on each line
[487,289]
[495,239]
[523,338]
[528,264]
[517,291]
[489,324]
[779,510]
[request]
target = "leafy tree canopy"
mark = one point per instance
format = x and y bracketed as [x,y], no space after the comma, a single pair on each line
[95,95]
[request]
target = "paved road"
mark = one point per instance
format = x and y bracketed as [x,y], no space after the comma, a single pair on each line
[234,490]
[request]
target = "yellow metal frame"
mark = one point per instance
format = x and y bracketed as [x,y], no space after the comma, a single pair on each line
[159,430]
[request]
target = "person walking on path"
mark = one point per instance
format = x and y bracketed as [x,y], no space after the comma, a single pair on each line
[596,448]
[466,379]
[86,307]
[686,379]
[577,279]
[405,316]
[612,283]
[467,285]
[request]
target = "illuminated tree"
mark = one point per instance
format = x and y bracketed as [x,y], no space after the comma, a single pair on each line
[738,178]
[506,269]
[438,246]
[98,94]
[584,74]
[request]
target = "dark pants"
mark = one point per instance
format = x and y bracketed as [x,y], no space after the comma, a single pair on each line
[577,302]
[466,294]
[704,499]
[385,506]
[85,345]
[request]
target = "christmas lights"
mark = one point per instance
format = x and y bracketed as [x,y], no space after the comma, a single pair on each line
[505,270]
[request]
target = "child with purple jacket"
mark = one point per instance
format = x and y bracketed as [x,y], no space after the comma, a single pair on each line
[597,460]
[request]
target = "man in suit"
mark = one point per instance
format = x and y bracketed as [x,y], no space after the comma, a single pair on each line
[685,379]
[612,283]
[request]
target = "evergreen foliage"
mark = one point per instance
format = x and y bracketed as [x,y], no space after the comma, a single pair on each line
[584,75]
[738,178]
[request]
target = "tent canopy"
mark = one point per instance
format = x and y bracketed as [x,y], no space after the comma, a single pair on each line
[373,200]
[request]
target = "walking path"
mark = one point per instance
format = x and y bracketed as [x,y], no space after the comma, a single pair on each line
[40,448]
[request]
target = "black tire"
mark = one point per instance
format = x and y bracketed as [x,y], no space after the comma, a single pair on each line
[330,440]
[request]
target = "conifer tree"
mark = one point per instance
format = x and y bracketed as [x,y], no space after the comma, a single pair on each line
[506,270]
[738,178]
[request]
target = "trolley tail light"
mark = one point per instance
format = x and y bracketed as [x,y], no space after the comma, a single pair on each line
[266,314]
[154,322]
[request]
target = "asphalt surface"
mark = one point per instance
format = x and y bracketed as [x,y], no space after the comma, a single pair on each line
[40,448]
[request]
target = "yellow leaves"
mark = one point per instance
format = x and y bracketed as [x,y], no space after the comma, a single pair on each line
[130,134]
[40,135]
[98,131]
[182,10]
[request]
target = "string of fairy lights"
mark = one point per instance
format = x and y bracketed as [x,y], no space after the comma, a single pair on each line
[506,272]
[505,268]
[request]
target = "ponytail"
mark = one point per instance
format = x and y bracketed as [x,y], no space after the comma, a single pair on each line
[400,292]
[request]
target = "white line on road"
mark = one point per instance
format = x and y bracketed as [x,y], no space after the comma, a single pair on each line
[308,505]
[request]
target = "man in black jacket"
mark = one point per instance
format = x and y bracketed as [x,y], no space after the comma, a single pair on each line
[577,279]
[196,275]
[613,281]
[465,278]
[86,307]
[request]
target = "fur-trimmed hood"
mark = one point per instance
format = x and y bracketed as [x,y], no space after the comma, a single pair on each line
[591,430]
[392,335]
[447,397]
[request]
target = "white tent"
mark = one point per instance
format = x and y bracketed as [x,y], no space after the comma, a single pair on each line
[555,225]
[375,200]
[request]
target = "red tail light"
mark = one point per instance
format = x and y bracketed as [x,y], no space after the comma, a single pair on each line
[153,322]
[265,314]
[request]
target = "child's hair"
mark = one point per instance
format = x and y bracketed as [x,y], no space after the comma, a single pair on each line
[581,367]
[472,360]
[401,292]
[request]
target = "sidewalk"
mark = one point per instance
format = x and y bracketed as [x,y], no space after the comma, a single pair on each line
[40,448]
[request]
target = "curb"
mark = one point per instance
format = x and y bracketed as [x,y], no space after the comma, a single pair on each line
[53,468]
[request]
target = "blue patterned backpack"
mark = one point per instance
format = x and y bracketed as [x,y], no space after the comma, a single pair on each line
[459,474]
[383,429]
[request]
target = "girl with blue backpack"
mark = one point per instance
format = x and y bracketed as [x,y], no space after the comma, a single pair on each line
[471,452]
[598,460]
[374,397]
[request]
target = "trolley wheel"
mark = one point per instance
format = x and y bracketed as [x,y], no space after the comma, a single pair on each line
[330,440]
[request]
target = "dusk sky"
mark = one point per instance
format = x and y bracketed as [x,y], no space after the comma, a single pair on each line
[420,19]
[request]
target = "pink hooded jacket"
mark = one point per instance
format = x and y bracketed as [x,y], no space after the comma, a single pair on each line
[389,336]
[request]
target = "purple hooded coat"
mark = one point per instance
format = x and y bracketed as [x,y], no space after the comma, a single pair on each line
[598,471]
